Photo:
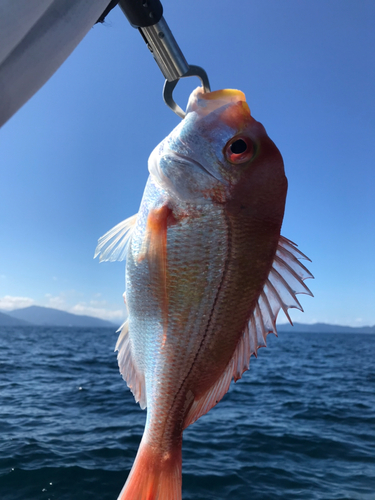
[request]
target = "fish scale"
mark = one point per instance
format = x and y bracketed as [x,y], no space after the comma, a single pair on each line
[235,292]
[191,306]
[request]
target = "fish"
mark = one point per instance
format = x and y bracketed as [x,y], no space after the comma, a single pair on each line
[207,273]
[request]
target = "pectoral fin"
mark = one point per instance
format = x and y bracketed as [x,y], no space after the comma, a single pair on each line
[154,250]
[114,244]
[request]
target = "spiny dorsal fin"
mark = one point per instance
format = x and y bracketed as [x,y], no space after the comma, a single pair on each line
[128,370]
[284,282]
[114,244]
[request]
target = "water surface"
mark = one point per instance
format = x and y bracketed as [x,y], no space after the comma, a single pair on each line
[299,425]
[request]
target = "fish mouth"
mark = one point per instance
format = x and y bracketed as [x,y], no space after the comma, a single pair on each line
[228,95]
[205,103]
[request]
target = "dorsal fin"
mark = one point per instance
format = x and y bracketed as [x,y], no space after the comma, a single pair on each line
[128,370]
[113,245]
[284,282]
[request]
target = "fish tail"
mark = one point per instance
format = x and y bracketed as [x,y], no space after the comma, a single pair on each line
[155,475]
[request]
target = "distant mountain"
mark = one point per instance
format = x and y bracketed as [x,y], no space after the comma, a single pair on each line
[324,328]
[6,320]
[46,316]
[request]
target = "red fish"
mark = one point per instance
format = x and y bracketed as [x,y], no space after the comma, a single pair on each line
[206,275]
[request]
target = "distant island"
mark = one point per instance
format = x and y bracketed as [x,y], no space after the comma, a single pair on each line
[46,316]
[324,328]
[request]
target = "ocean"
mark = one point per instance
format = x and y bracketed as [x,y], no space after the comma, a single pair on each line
[300,424]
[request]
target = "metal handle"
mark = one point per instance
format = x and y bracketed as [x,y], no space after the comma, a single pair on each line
[147,16]
[165,50]
[142,13]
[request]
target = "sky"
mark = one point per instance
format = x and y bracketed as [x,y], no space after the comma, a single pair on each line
[73,159]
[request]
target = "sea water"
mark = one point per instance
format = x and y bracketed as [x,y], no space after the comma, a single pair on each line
[299,425]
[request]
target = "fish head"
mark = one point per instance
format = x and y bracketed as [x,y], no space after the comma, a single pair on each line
[220,154]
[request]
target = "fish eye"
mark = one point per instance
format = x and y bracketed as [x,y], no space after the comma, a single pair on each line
[238,147]
[239,150]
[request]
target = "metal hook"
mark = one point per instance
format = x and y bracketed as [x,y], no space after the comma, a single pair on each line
[170,86]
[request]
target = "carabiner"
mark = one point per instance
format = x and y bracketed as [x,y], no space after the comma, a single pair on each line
[170,86]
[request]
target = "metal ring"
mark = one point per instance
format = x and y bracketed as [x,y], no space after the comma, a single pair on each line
[170,86]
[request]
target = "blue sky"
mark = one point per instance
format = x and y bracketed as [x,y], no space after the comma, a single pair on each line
[74,158]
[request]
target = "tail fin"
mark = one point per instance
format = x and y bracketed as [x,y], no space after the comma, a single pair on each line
[155,475]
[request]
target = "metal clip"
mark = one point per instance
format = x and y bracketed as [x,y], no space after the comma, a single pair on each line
[147,16]
[170,86]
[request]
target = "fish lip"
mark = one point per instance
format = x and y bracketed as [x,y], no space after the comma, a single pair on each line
[196,163]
